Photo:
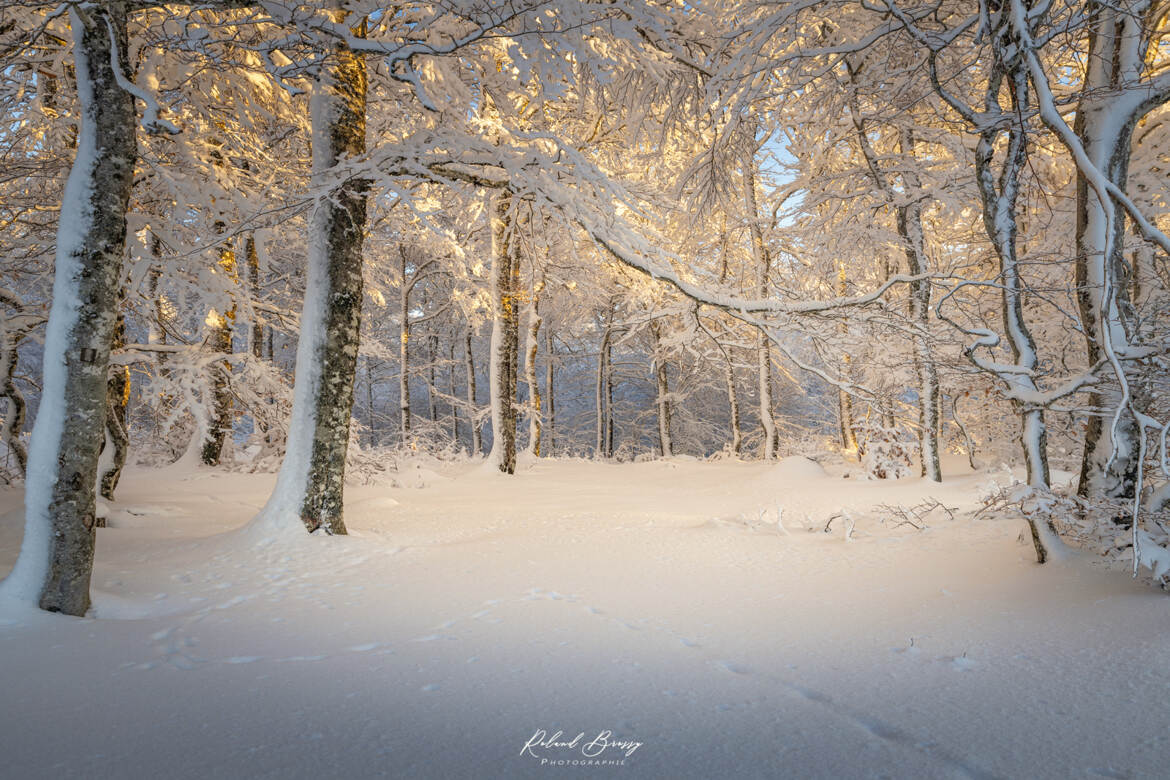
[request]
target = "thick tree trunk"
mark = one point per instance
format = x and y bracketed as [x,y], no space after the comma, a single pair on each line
[505,334]
[1110,457]
[762,262]
[472,405]
[313,472]
[56,556]
[662,384]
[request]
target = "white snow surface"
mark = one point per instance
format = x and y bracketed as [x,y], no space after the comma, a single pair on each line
[656,601]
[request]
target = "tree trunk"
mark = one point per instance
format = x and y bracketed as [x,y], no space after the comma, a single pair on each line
[909,221]
[451,392]
[599,391]
[530,345]
[252,258]
[117,443]
[313,472]
[472,406]
[549,394]
[1110,460]
[404,353]
[56,556]
[665,444]
[218,422]
[432,354]
[11,334]
[505,327]
[762,263]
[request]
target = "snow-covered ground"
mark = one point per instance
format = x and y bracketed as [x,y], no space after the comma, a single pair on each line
[649,602]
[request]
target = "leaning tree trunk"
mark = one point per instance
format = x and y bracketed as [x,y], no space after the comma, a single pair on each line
[761,262]
[662,384]
[56,556]
[117,445]
[312,477]
[505,326]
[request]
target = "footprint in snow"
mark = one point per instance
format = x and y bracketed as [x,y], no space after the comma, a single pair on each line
[734,668]
[365,648]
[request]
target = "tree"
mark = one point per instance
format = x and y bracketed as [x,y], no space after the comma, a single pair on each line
[56,555]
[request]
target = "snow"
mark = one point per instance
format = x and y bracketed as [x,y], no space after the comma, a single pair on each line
[639,603]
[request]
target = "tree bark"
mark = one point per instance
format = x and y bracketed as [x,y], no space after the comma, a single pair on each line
[472,406]
[549,394]
[117,443]
[505,333]
[56,557]
[404,421]
[762,262]
[530,346]
[11,334]
[662,383]
[1110,459]
[218,422]
[313,472]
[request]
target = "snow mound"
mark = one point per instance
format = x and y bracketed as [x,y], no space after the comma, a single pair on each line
[796,467]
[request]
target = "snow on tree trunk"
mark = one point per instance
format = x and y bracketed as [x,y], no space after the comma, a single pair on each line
[599,394]
[728,366]
[312,476]
[1110,457]
[252,259]
[56,555]
[219,340]
[665,444]
[761,262]
[733,406]
[404,352]
[432,388]
[550,396]
[530,346]
[505,326]
[472,406]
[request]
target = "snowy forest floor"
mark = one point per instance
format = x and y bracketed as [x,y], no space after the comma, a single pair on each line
[650,600]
